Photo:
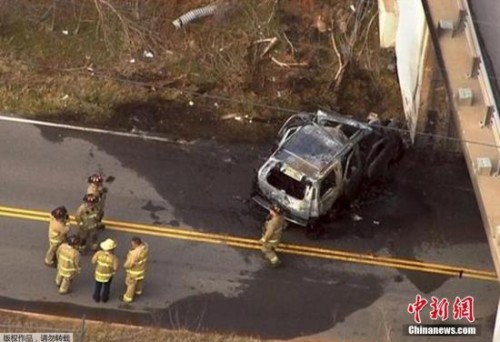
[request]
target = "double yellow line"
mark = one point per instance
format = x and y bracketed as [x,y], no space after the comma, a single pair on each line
[331,254]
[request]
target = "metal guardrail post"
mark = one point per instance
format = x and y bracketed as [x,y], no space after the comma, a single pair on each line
[478,70]
[82,331]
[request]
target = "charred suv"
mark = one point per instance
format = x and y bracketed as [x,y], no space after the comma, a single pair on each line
[322,158]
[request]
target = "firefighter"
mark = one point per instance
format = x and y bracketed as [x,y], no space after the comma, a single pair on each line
[106,266]
[58,231]
[97,189]
[68,265]
[87,218]
[136,266]
[272,234]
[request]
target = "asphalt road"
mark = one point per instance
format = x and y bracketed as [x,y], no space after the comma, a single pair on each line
[427,213]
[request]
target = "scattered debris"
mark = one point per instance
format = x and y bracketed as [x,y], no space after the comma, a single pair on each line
[337,80]
[194,15]
[376,222]
[236,117]
[132,60]
[191,103]
[353,8]
[356,217]
[216,105]
[228,160]
[147,54]
[239,198]
[289,65]
[229,116]
[65,97]
[270,44]
[320,24]
[65,32]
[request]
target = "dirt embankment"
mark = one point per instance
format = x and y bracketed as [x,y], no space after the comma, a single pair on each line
[231,76]
[93,331]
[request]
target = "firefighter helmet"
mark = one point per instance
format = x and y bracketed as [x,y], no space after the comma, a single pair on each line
[96,178]
[73,240]
[90,199]
[60,213]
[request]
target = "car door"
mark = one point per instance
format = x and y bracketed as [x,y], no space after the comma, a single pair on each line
[353,173]
[330,188]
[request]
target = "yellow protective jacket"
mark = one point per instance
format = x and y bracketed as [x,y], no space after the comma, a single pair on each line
[136,263]
[68,261]
[106,265]
[87,217]
[273,229]
[58,230]
[100,193]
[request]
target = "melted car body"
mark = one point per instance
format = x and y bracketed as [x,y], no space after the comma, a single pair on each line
[321,158]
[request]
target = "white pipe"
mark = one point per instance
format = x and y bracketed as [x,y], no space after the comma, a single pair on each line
[194,14]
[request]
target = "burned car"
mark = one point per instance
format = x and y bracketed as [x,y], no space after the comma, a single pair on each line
[321,159]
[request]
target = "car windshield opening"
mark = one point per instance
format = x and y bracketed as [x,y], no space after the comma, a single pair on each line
[281,181]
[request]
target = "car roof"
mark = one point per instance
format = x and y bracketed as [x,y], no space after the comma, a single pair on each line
[311,150]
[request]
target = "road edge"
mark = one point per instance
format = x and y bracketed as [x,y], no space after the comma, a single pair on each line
[137,134]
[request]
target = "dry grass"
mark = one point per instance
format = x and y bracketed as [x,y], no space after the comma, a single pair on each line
[66,60]
[105,332]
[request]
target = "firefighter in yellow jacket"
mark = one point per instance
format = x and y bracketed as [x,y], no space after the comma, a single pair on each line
[106,266]
[97,189]
[272,234]
[136,266]
[68,265]
[87,218]
[58,231]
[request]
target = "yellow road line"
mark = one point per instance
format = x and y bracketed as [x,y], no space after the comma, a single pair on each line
[185,234]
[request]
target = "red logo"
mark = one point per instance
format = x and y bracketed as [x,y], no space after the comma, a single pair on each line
[464,308]
[439,308]
[416,307]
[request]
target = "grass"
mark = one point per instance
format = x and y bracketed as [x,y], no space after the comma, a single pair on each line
[68,65]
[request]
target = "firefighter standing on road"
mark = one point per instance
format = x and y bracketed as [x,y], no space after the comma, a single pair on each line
[98,190]
[68,265]
[58,231]
[87,217]
[272,234]
[135,265]
[106,266]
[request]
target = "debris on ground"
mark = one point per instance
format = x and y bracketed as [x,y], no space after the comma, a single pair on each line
[376,223]
[147,54]
[356,217]
[195,14]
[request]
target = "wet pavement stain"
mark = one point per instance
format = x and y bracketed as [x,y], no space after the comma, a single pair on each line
[174,223]
[52,134]
[284,307]
[153,209]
